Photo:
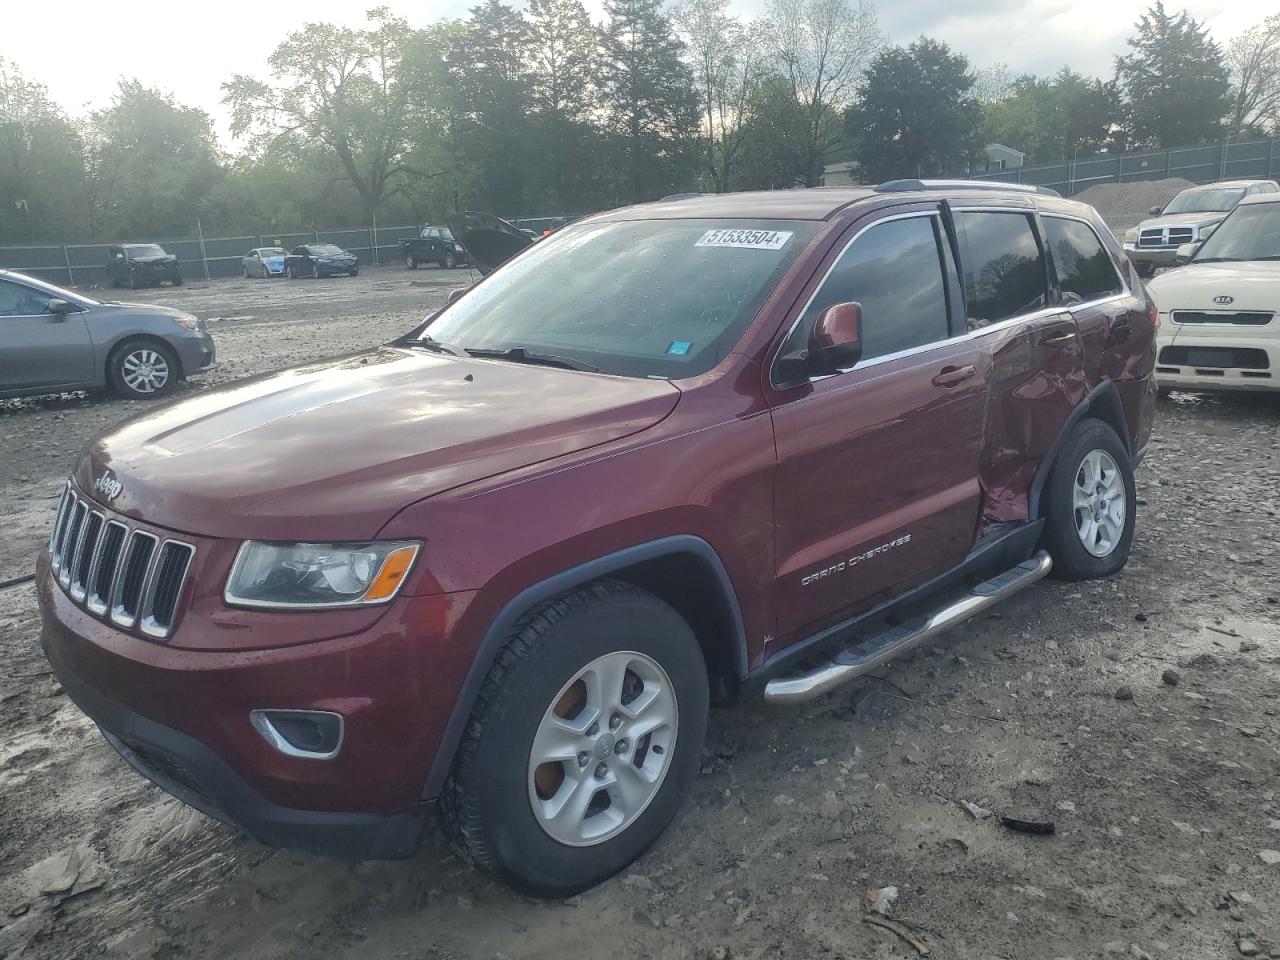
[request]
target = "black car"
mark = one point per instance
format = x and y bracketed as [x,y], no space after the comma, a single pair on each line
[142,265]
[433,245]
[320,260]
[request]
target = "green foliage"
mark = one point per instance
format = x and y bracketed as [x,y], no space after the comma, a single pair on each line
[915,117]
[1053,120]
[1175,82]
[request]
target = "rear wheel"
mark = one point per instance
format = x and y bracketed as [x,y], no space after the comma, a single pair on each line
[1090,508]
[291,272]
[583,742]
[142,369]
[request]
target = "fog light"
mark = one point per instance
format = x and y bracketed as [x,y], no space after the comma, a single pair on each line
[312,734]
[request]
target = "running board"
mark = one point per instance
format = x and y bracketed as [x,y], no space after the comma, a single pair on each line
[862,657]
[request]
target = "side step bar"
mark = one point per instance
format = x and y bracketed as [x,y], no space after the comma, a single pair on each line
[870,653]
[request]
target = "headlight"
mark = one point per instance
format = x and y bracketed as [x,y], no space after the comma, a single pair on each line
[304,575]
[1131,236]
[1207,230]
[187,322]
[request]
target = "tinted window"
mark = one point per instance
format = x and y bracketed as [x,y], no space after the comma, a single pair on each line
[894,270]
[1085,270]
[1003,266]
[17,300]
[136,250]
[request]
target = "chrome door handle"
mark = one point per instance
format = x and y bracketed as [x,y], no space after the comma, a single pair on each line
[950,376]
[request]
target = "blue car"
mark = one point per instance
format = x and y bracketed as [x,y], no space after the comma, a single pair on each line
[264,262]
[320,260]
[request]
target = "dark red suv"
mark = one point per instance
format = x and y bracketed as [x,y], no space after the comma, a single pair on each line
[697,450]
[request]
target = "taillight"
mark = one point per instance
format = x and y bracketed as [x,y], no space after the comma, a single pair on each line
[1154,314]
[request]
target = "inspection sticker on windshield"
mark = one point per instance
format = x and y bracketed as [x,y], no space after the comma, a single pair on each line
[746,239]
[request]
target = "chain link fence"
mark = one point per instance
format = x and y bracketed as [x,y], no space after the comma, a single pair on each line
[1224,160]
[85,264]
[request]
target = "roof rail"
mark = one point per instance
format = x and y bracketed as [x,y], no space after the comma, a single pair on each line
[905,186]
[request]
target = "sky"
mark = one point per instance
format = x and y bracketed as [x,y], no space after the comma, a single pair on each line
[80,48]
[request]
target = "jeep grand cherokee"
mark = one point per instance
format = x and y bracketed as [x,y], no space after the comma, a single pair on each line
[698,450]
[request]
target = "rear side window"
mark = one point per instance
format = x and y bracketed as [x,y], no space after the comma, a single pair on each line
[1085,269]
[895,271]
[1003,267]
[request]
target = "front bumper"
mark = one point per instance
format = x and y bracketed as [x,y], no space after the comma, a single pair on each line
[196,353]
[329,269]
[1157,256]
[181,717]
[1195,359]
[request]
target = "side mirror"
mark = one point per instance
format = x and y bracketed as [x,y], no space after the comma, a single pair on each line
[1155,211]
[1185,253]
[58,305]
[455,294]
[835,343]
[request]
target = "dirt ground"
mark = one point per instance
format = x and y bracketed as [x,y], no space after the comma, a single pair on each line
[1165,803]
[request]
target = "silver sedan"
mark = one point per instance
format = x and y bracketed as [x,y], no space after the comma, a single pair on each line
[54,340]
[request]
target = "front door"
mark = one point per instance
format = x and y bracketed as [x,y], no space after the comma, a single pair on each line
[39,348]
[877,483]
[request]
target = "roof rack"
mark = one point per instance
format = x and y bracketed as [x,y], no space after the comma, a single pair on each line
[905,186]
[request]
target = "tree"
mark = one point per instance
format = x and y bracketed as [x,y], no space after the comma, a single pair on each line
[727,68]
[41,170]
[353,91]
[820,47]
[915,116]
[1254,61]
[152,163]
[1054,120]
[1174,83]
[992,84]
[647,96]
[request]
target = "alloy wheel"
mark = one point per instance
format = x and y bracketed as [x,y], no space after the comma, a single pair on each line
[602,749]
[144,370]
[1099,502]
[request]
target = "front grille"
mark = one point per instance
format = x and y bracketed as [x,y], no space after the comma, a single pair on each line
[1226,358]
[1151,238]
[1252,318]
[1180,235]
[1166,236]
[116,570]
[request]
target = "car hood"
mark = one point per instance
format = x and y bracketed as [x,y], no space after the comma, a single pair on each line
[1183,220]
[333,450]
[155,261]
[102,308]
[1251,285]
[490,241]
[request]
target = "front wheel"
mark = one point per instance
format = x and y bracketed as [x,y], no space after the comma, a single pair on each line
[584,740]
[450,261]
[1090,508]
[142,369]
[355,272]
[411,261]
[291,272]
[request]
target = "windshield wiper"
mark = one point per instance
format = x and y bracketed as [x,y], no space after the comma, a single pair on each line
[521,355]
[435,346]
[1216,260]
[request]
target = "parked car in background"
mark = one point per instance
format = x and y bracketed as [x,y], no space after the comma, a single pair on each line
[1219,328]
[1190,217]
[54,340]
[433,245]
[142,265]
[711,448]
[320,260]
[264,262]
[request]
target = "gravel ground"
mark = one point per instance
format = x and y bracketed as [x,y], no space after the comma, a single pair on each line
[1164,797]
[1125,205]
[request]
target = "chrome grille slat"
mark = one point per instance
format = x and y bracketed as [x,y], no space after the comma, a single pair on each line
[117,571]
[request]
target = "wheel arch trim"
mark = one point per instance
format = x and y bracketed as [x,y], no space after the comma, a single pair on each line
[1104,398]
[500,627]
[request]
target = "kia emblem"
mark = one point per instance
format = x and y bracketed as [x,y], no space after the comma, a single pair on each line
[1224,300]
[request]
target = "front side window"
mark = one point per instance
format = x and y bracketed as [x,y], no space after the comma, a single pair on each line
[641,298]
[1084,268]
[894,270]
[1252,232]
[1003,266]
[19,300]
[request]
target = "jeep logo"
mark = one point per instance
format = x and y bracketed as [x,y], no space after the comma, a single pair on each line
[1224,300]
[108,485]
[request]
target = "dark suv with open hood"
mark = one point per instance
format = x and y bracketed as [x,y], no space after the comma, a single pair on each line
[142,265]
[693,451]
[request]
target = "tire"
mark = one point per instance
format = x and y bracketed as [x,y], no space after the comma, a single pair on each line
[245,270]
[315,271]
[291,272]
[411,261]
[1146,270]
[355,272]
[133,281]
[142,369]
[449,261]
[497,803]
[1083,548]
[177,281]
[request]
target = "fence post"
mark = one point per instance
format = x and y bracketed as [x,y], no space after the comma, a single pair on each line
[316,234]
[1271,151]
[373,238]
[204,256]
[1168,163]
[66,258]
[1222,166]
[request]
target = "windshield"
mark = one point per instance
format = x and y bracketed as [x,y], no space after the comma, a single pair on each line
[135,250]
[1205,200]
[1252,232]
[266,253]
[325,250]
[641,298]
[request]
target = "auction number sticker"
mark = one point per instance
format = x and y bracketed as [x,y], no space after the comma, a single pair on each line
[746,239]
